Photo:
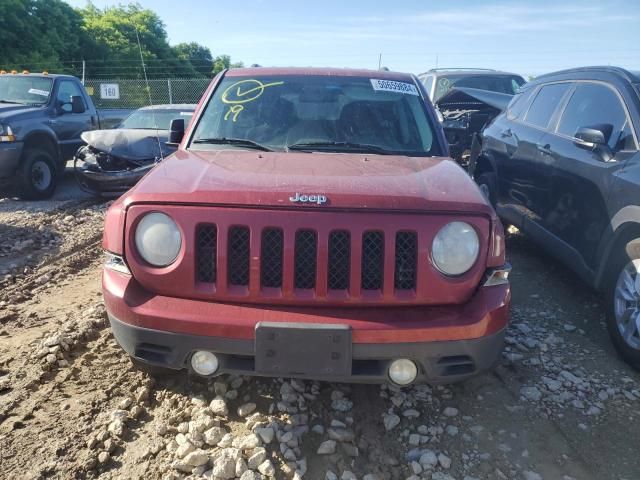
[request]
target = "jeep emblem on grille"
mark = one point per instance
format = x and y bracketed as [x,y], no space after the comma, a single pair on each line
[319,199]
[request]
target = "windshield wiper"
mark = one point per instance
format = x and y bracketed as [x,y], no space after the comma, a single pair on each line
[233,141]
[11,102]
[349,146]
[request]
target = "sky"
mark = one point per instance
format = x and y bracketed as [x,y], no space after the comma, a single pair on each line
[526,37]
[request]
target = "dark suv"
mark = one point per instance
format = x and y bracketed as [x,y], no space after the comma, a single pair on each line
[562,164]
[462,115]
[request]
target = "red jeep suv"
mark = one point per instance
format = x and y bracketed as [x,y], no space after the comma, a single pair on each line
[309,225]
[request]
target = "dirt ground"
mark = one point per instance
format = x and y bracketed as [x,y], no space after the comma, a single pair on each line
[560,405]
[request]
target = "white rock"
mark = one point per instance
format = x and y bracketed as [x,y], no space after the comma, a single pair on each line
[247,442]
[185,449]
[196,458]
[257,458]
[246,409]
[224,467]
[444,461]
[428,459]
[214,435]
[241,467]
[531,393]
[267,468]
[219,407]
[330,475]
[391,421]
[265,433]
[327,447]
[450,412]
[529,475]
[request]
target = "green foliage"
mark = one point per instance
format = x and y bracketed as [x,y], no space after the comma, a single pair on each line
[222,62]
[51,35]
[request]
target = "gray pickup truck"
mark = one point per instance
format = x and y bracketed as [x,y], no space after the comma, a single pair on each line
[41,119]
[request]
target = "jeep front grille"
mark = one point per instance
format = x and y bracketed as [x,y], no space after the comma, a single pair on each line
[305,258]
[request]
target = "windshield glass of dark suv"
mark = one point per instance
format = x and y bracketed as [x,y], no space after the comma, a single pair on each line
[509,84]
[317,113]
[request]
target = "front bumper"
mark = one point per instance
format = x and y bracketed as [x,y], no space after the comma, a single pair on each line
[10,153]
[107,183]
[448,344]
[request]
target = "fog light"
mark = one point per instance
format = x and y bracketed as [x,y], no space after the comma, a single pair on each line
[204,363]
[403,371]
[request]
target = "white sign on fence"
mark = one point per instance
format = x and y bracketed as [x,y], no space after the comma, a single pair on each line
[110,91]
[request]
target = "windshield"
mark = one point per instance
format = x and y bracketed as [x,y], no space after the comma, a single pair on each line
[494,83]
[317,113]
[25,90]
[154,119]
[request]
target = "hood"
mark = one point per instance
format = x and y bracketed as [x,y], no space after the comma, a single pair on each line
[348,181]
[130,144]
[460,96]
[8,110]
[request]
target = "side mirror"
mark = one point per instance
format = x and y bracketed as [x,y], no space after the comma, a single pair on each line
[595,138]
[176,132]
[77,104]
[590,135]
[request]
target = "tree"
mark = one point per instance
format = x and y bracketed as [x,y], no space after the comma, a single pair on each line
[51,35]
[43,34]
[222,62]
[197,55]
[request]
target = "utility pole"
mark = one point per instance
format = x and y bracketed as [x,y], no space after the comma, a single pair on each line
[83,70]
[379,61]
[436,60]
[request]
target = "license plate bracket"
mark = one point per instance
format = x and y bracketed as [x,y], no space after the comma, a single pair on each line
[303,349]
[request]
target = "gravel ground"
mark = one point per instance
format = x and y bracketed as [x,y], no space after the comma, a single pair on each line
[560,405]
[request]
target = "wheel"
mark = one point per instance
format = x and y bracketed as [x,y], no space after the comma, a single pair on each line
[623,299]
[37,175]
[487,184]
[152,370]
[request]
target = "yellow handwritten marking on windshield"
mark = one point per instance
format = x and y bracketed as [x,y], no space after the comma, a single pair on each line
[236,97]
[235,111]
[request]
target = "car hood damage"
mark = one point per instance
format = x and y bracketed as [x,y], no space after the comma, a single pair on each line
[115,160]
[466,111]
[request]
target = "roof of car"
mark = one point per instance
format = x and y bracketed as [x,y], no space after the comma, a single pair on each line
[41,75]
[631,76]
[466,71]
[336,72]
[171,106]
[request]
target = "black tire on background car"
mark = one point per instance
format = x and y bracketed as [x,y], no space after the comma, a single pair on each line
[623,302]
[37,175]
[487,184]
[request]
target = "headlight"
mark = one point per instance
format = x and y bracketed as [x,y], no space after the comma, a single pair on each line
[6,134]
[158,239]
[455,248]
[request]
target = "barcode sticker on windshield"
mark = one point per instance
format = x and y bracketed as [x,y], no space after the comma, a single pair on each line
[392,86]
[35,91]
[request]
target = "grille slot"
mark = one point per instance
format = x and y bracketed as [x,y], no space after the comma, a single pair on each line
[238,256]
[305,259]
[372,260]
[339,260]
[271,258]
[406,260]
[206,245]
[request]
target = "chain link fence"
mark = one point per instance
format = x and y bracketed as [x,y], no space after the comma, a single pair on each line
[133,93]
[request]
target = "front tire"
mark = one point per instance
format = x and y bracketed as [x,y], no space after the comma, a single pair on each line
[623,303]
[487,184]
[37,175]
